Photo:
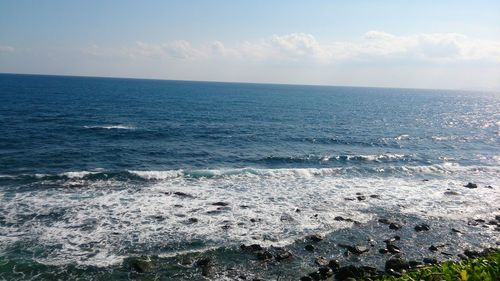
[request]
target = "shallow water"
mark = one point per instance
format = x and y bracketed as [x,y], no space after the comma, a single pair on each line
[94,170]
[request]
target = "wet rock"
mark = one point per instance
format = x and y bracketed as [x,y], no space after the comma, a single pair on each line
[264,255]
[349,271]
[430,260]
[422,227]
[321,261]
[244,206]
[456,230]
[309,248]
[384,221]
[220,204]
[252,248]
[254,220]
[355,249]
[315,237]
[349,199]
[361,198]
[471,185]
[497,217]
[472,254]
[192,220]
[492,222]
[334,265]
[181,194]
[306,278]
[297,210]
[286,255]
[433,248]
[141,265]
[178,206]
[396,264]
[393,249]
[325,272]
[383,251]
[206,264]
[375,196]
[395,226]
[451,193]
[415,264]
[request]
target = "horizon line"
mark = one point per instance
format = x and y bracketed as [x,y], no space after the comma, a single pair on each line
[494,91]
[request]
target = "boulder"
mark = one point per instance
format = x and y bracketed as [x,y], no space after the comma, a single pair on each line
[422,227]
[396,264]
[471,185]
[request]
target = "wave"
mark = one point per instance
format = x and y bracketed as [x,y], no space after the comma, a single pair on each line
[389,157]
[110,127]
[291,173]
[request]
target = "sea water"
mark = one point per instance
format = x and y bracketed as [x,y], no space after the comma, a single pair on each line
[96,170]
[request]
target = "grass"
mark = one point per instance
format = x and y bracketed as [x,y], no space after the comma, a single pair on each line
[486,268]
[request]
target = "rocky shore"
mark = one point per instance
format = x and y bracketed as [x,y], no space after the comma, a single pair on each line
[390,245]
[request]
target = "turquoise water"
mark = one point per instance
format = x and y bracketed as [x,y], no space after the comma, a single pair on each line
[97,170]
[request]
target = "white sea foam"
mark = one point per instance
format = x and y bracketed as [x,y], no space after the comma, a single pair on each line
[115,126]
[93,224]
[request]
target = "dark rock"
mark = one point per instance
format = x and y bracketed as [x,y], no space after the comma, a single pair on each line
[325,272]
[349,199]
[339,218]
[220,204]
[321,261]
[315,275]
[178,206]
[361,198]
[254,220]
[375,196]
[256,247]
[422,227]
[492,222]
[192,220]
[430,261]
[206,264]
[393,249]
[214,212]
[334,265]
[415,264]
[297,210]
[182,194]
[284,256]
[433,248]
[489,186]
[471,185]
[396,264]
[244,206]
[383,251]
[456,230]
[395,225]
[497,217]
[355,249]
[309,248]
[451,193]
[462,257]
[480,220]
[315,237]
[141,265]
[472,254]
[306,278]
[264,255]
[349,271]
[396,237]
[385,221]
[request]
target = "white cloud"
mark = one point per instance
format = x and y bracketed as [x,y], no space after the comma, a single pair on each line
[303,47]
[6,49]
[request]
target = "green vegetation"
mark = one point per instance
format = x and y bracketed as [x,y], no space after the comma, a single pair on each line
[486,268]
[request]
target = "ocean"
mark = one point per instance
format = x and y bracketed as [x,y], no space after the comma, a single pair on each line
[97,172]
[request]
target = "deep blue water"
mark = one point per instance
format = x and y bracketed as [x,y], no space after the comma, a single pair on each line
[83,158]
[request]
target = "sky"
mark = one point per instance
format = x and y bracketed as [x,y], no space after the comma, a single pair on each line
[449,44]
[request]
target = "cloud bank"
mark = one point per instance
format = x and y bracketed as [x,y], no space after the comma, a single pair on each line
[303,47]
[6,49]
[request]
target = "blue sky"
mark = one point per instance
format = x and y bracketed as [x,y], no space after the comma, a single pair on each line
[424,44]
